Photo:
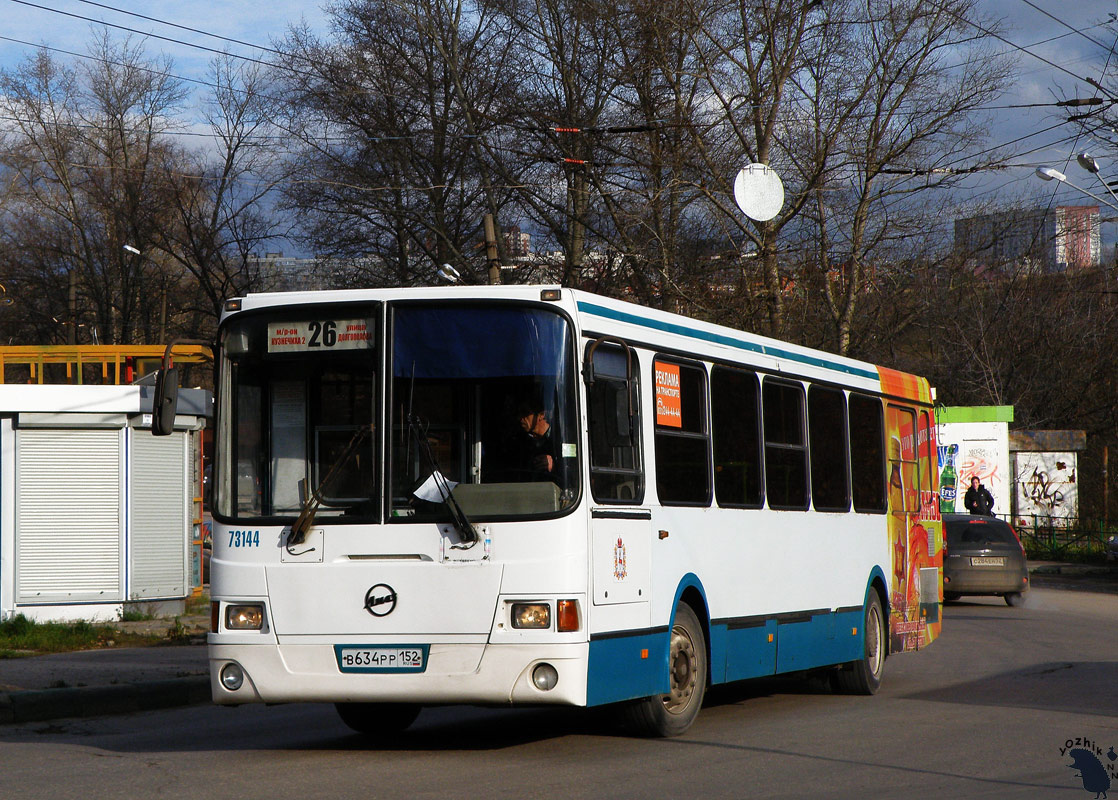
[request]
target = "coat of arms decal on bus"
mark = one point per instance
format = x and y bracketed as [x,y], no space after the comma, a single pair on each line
[619,570]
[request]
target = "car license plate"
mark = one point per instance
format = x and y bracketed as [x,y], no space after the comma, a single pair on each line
[987,561]
[381,659]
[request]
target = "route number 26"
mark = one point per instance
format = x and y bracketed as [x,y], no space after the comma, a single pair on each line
[323,334]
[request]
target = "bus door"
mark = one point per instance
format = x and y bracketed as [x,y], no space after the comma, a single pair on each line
[904,508]
[620,526]
[926,535]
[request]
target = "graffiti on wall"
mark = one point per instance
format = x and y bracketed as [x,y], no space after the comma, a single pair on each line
[1046,485]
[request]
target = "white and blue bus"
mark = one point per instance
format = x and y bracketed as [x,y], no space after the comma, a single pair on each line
[536,495]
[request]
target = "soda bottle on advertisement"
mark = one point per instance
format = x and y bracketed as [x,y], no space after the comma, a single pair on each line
[947,481]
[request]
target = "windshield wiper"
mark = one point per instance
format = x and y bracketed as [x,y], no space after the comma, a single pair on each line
[302,525]
[466,531]
[458,518]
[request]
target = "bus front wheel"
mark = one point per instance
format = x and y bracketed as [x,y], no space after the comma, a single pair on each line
[377,719]
[671,714]
[863,676]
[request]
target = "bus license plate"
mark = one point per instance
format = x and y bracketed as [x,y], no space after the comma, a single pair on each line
[381,659]
[987,561]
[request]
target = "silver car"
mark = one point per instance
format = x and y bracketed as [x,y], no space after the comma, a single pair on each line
[983,556]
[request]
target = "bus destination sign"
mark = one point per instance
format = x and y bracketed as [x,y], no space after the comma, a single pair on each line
[319,334]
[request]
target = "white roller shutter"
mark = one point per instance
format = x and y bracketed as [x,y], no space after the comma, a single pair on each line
[159,522]
[68,509]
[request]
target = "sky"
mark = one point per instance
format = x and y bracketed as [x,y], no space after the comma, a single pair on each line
[49,22]
[1052,40]
[1058,44]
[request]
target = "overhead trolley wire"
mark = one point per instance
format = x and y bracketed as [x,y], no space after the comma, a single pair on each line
[1025,50]
[182,27]
[1056,19]
[160,37]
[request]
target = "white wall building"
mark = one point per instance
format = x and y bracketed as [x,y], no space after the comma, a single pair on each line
[980,436]
[95,512]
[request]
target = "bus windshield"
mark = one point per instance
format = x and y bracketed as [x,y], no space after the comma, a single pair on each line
[483,405]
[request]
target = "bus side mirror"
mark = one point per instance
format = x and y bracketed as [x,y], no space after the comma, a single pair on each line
[165,402]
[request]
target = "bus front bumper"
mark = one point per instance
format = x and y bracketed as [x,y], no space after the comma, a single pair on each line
[453,673]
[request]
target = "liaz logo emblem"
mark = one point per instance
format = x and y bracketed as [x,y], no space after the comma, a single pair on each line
[380,601]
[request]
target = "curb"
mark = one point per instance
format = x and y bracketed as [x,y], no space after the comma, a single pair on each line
[98,701]
[1087,570]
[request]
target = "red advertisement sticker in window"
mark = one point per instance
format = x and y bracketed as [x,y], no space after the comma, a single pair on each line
[668,409]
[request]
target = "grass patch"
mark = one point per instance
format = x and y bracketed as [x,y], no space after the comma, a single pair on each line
[20,637]
[135,613]
[198,606]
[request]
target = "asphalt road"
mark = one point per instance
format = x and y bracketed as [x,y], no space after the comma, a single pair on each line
[983,713]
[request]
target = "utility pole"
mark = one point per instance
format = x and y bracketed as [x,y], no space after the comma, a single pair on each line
[491,250]
[576,251]
[1106,486]
[72,328]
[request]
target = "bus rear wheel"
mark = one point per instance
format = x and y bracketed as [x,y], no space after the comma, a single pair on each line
[863,676]
[671,714]
[378,719]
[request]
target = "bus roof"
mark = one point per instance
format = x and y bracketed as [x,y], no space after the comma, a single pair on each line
[600,315]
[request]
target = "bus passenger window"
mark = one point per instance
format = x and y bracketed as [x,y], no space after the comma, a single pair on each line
[904,470]
[735,397]
[867,453]
[682,445]
[830,484]
[927,456]
[616,475]
[785,447]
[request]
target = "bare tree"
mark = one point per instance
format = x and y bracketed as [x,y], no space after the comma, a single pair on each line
[219,215]
[391,115]
[112,232]
[562,53]
[909,89]
[80,154]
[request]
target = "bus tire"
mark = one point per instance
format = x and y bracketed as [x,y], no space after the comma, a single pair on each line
[671,714]
[863,676]
[378,719]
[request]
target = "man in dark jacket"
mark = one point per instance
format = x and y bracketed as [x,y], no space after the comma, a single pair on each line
[532,450]
[978,499]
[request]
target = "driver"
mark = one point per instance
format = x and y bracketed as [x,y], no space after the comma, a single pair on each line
[534,452]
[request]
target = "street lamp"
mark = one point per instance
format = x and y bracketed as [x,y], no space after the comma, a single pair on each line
[162,284]
[449,274]
[1088,162]
[1050,174]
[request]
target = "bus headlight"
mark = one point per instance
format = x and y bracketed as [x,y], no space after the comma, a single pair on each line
[531,615]
[544,677]
[244,617]
[232,677]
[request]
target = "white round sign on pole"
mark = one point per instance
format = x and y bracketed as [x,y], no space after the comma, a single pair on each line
[759,192]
